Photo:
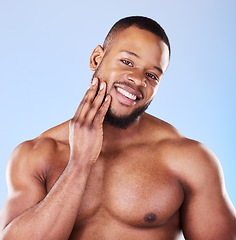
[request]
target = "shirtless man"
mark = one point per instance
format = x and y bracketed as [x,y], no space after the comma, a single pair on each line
[113,172]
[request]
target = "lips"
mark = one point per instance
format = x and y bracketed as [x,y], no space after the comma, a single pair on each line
[127,95]
[128,91]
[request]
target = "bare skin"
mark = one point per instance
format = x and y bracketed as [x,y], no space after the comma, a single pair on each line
[86,179]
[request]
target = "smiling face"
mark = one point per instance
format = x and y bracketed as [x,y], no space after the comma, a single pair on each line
[132,68]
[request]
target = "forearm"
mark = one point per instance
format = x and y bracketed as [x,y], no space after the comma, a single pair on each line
[54,216]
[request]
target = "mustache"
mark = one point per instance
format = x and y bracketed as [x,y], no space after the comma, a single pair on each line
[129,85]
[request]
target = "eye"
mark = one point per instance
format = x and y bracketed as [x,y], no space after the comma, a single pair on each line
[152,77]
[126,62]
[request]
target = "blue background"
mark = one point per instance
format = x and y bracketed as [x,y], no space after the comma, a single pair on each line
[44,68]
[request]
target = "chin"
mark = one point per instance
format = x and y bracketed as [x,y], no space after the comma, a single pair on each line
[124,121]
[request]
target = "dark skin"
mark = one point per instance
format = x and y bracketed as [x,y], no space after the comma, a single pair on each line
[86,179]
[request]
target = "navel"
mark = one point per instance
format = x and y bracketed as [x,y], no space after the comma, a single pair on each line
[150,217]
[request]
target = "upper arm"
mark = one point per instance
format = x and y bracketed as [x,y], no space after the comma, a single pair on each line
[207,212]
[24,181]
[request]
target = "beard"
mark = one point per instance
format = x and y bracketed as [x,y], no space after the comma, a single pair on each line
[122,122]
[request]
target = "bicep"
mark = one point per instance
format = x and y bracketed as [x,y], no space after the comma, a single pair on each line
[25,190]
[207,212]
[205,216]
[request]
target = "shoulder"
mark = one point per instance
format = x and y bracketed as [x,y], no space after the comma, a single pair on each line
[189,160]
[194,164]
[196,161]
[36,155]
[30,158]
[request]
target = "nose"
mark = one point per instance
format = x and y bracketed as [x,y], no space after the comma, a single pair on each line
[137,77]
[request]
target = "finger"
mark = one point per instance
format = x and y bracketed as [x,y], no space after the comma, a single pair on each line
[87,99]
[100,115]
[90,104]
[97,103]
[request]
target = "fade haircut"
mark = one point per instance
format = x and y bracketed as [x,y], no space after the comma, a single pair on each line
[140,22]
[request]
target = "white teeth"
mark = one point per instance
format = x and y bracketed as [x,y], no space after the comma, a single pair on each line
[127,94]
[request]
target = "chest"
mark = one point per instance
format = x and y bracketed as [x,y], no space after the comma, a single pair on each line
[132,186]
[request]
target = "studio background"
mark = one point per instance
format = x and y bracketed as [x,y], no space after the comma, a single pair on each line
[44,69]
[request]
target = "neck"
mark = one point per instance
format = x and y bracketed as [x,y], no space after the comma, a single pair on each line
[114,137]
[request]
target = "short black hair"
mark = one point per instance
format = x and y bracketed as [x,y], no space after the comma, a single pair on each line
[140,22]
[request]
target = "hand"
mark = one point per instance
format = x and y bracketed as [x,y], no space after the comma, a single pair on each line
[86,127]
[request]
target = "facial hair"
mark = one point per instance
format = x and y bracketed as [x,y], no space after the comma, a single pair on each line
[122,122]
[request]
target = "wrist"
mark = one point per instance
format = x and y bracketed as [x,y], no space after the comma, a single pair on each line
[80,164]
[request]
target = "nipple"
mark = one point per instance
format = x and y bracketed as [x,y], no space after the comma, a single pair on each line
[150,217]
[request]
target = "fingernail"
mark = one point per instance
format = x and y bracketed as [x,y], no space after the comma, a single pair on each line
[102,85]
[107,97]
[94,81]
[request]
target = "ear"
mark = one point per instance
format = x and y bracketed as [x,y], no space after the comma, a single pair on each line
[96,57]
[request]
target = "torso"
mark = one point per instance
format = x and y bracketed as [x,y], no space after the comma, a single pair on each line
[131,193]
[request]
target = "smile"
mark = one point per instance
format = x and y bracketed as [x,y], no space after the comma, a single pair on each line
[126,94]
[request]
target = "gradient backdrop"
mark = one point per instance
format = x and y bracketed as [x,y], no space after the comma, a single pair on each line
[44,68]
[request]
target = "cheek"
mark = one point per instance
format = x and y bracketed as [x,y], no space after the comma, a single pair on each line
[152,91]
[113,75]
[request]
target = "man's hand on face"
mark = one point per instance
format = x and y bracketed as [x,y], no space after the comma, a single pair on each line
[86,127]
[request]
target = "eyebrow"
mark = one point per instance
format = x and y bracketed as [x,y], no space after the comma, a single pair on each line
[137,56]
[159,69]
[131,53]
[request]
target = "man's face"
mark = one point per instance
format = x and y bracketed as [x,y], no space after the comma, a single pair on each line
[132,69]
